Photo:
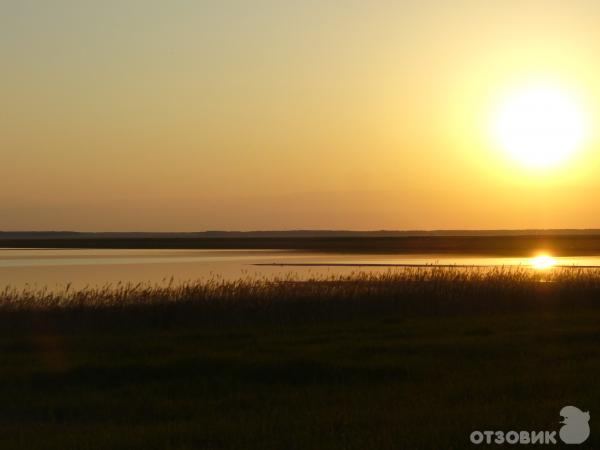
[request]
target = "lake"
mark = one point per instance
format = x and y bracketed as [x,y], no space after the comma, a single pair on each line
[54,268]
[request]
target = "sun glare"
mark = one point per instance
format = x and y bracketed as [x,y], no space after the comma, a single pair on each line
[540,125]
[543,262]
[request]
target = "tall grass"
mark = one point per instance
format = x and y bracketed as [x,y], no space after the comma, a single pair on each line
[116,367]
[407,291]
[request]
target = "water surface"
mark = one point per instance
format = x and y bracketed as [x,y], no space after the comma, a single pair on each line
[96,267]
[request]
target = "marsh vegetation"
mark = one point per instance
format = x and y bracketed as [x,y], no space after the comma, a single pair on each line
[409,358]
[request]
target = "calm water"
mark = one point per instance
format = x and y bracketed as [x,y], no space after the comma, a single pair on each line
[56,267]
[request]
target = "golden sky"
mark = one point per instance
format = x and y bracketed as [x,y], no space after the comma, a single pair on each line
[193,115]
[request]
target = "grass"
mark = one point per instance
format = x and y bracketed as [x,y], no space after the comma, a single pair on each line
[410,358]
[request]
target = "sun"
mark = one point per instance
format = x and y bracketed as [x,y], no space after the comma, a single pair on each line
[540,125]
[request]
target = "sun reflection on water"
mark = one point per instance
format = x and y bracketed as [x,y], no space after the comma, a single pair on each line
[542,262]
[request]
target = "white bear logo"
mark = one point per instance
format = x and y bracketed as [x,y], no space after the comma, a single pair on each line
[575,429]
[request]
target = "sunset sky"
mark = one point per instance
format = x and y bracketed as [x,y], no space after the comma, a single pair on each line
[193,115]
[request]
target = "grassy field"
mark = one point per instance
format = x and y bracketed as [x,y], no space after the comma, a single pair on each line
[413,358]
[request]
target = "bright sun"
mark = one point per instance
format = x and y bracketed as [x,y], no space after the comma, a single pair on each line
[540,125]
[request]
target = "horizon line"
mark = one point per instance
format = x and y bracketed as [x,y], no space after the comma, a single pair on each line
[307,231]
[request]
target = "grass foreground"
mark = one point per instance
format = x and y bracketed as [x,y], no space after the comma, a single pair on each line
[410,358]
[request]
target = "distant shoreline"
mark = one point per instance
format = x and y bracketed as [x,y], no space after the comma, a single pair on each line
[211,234]
[498,245]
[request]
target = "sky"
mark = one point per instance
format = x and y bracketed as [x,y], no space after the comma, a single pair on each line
[200,115]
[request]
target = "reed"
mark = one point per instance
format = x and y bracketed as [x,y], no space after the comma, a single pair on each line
[407,291]
[407,358]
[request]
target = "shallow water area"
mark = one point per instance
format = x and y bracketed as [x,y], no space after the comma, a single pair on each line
[55,268]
